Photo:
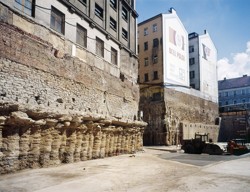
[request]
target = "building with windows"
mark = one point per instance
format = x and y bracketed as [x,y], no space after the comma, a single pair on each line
[234,93]
[203,65]
[234,107]
[172,109]
[68,81]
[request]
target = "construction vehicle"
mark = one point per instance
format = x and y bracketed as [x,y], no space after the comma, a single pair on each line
[201,144]
[237,147]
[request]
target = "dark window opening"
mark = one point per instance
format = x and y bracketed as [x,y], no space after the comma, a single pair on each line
[113,23]
[98,11]
[113,3]
[192,74]
[99,47]
[155,42]
[113,56]
[155,75]
[81,35]
[145,46]
[57,20]
[124,34]
[124,13]
[191,61]
[146,77]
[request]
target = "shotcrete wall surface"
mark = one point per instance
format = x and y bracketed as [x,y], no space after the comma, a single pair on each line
[55,108]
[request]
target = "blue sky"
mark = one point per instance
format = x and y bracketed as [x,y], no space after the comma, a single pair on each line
[227,22]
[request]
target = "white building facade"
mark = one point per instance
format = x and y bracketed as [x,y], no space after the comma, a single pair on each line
[203,65]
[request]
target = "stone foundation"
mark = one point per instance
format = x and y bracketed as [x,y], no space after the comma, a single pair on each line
[32,138]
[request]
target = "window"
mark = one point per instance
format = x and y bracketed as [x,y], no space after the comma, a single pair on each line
[124,34]
[243,91]
[155,42]
[113,23]
[191,49]
[192,75]
[145,61]
[146,77]
[155,75]
[26,6]
[98,11]
[99,47]
[154,27]
[145,46]
[124,13]
[145,31]
[192,85]
[191,61]
[57,20]
[235,101]
[113,56]
[155,59]
[82,1]
[81,35]
[113,3]
[138,48]
[138,79]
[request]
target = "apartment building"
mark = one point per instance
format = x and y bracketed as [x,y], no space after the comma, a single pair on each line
[234,108]
[203,64]
[169,105]
[234,93]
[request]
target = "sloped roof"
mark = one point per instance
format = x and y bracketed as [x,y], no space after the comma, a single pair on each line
[234,83]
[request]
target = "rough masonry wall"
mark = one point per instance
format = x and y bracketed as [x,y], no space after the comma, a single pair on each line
[176,116]
[196,114]
[55,108]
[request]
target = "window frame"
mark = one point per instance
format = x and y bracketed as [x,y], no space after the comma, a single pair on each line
[124,34]
[191,61]
[22,6]
[191,49]
[192,74]
[124,13]
[145,46]
[114,56]
[113,4]
[60,18]
[154,27]
[81,40]
[145,31]
[146,63]
[113,23]
[155,75]
[100,45]
[98,11]
[146,79]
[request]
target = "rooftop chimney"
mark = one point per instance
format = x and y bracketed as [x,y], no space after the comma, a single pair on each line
[172,10]
[205,31]
[244,75]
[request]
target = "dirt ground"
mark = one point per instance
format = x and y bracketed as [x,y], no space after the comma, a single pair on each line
[142,172]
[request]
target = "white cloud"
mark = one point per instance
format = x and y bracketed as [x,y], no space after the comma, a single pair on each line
[239,67]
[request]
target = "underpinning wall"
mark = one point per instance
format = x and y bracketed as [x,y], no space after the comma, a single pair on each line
[55,108]
[32,138]
[179,116]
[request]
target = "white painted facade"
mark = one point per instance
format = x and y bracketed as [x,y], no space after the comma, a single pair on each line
[208,67]
[175,50]
[203,65]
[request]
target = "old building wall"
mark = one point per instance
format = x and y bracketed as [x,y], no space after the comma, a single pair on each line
[56,108]
[192,111]
[174,116]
